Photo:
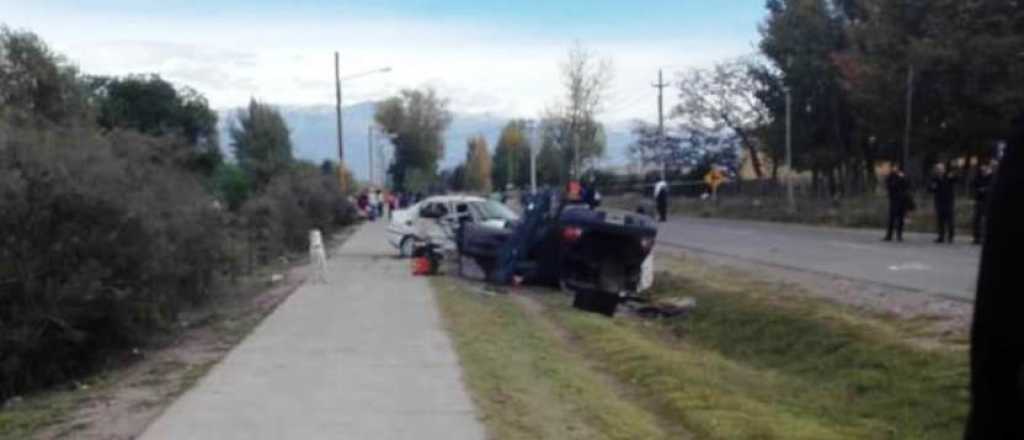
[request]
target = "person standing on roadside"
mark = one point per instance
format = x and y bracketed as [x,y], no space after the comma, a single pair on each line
[943,186]
[980,187]
[380,203]
[900,201]
[661,197]
[373,200]
[590,194]
[392,204]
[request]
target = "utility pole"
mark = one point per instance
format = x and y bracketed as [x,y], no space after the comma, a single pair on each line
[789,150]
[510,167]
[576,152]
[910,115]
[533,157]
[341,147]
[660,85]
[369,152]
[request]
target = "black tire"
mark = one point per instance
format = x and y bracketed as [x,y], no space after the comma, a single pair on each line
[487,266]
[583,301]
[606,304]
[402,251]
[596,303]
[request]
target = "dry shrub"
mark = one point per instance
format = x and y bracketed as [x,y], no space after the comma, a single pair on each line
[104,239]
[293,203]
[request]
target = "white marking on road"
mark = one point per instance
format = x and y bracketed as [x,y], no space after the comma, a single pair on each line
[737,231]
[845,244]
[913,265]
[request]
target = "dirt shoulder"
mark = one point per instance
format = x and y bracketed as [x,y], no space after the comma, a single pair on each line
[121,402]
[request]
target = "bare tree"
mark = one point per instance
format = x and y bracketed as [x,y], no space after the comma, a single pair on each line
[720,100]
[586,79]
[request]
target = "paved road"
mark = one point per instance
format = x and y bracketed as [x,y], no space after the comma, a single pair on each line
[363,357]
[916,264]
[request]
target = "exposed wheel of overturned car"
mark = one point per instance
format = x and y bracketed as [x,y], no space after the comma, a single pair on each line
[596,302]
[605,299]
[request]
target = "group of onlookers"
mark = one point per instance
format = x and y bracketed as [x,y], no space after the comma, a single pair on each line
[373,203]
[942,185]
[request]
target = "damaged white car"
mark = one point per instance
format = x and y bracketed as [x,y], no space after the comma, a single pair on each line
[448,213]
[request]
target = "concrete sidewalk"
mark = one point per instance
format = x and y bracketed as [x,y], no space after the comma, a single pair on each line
[363,357]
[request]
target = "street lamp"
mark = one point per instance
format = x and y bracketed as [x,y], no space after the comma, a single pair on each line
[531,133]
[789,150]
[337,89]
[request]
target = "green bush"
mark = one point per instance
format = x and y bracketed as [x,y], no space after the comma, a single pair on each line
[103,242]
[294,202]
[231,185]
[107,233]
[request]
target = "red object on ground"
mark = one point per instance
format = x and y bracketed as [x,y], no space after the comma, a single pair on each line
[421,266]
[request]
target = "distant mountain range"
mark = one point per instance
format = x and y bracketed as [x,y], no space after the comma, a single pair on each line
[314,138]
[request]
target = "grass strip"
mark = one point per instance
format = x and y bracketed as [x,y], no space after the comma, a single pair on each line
[525,379]
[708,393]
[756,360]
[848,370]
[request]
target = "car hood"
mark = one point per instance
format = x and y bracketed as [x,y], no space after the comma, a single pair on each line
[402,217]
[495,223]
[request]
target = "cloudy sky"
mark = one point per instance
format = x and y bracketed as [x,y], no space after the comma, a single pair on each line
[499,57]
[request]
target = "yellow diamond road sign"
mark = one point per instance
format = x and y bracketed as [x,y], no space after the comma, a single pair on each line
[714,178]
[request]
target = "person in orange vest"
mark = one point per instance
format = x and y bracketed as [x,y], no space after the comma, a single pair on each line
[574,191]
[714,179]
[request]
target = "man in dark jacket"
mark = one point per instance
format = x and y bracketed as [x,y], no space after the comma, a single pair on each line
[943,186]
[661,197]
[980,187]
[997,334]
[898,187]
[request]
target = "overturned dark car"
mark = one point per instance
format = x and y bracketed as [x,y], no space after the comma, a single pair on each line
[601,255]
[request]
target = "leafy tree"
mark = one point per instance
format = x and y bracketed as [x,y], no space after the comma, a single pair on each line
[150,105]
[232,185]
[552,168]
[415,120]
[420,181]
[455,178]
[262,143]
[512,156]
[853,65]
[37,83]
[970,55]
[649,148]
[800,39]
[699,152]
[478,165]
[685,152]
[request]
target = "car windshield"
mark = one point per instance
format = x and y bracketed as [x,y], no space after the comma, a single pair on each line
[491,210]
